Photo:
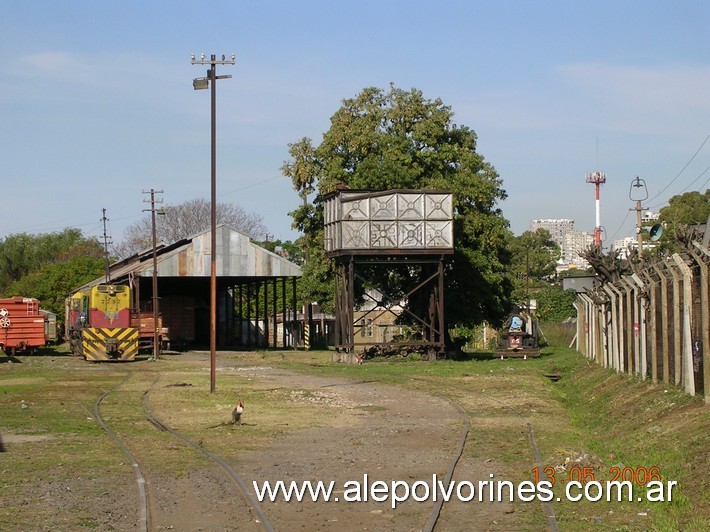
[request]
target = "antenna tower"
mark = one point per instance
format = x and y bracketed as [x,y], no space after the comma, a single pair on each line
[598,178]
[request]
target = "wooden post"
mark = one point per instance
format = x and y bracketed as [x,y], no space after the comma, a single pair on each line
[587,327]
[621,346]
[579,307]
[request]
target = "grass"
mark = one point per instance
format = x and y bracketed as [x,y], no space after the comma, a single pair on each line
[590,417]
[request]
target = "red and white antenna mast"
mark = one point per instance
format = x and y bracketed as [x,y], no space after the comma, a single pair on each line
[598,178]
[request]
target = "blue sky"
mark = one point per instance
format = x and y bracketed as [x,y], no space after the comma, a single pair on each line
[97,104]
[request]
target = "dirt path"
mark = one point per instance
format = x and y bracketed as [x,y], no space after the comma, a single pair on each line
[363,429]
[377,430]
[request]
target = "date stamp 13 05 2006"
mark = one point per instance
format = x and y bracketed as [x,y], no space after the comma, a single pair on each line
[580,483]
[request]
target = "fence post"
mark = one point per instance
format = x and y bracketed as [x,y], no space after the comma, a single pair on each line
[629,325]
[687,350]
[588,326]
[613,301]
[705,319]
[677,358]
[641,316]
[664,324]
[579,305]
[653,301]
[620,328]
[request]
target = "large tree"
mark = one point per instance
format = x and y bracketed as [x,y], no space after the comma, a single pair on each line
[176,222]
[688,209]
[533,261]
[54,282]
[23,253]
[398,139]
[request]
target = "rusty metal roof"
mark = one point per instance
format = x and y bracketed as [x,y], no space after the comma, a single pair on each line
[236,257]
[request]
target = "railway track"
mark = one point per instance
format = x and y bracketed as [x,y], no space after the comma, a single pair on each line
[149,503]
[550,517]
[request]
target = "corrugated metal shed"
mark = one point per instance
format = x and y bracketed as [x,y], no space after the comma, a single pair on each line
[248,277]
[237,257]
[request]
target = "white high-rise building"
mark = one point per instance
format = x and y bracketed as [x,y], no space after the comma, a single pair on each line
[575,243]
[558,228]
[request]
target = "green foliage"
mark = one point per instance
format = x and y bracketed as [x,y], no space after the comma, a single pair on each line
[534,257]
[554,304]
[54,282]
[397,139]
[317,280]
[688,209]
[48,266]
[22,253]
[683,210]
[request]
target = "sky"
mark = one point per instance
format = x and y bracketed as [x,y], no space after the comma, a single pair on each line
[97,105]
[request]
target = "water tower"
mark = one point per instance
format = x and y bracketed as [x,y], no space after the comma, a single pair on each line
[391,244]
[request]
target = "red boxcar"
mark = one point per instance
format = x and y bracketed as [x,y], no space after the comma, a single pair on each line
[21,325]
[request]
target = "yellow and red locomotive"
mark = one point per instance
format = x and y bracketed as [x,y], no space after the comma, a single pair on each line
[99,324]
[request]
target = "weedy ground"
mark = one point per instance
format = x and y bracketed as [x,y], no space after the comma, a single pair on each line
[590,420]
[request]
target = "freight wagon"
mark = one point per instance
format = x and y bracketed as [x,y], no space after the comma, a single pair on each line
[22,325]
[145,322]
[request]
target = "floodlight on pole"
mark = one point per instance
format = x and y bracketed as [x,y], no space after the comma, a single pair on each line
[198,84]
[638,193]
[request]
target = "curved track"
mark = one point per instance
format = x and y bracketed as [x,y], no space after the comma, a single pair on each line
[547,506]
[144,501]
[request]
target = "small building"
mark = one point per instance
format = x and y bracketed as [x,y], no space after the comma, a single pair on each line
[580,284]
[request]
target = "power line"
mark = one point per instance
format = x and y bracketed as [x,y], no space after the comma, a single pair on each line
[694,180]
[681,171]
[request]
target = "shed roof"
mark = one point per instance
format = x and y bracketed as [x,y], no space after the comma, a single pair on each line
[236,256]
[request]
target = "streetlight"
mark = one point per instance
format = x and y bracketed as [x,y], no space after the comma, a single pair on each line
[199,84]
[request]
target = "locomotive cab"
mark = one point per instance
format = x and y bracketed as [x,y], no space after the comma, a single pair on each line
[99,326]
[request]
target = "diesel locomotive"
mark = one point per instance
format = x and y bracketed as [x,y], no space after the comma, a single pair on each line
[99,324]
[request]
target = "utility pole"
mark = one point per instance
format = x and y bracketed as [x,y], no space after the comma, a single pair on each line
[107,241]
[156,314]
[638,195]
[199,84]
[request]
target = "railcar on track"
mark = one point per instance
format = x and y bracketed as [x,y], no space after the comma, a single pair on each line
[99,324]
[22,325]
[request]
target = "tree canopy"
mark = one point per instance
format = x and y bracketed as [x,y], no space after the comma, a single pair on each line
[397,139]
[176,222]
[49,266]
[54,282]
[22,253]
[688,209]
[534,258]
